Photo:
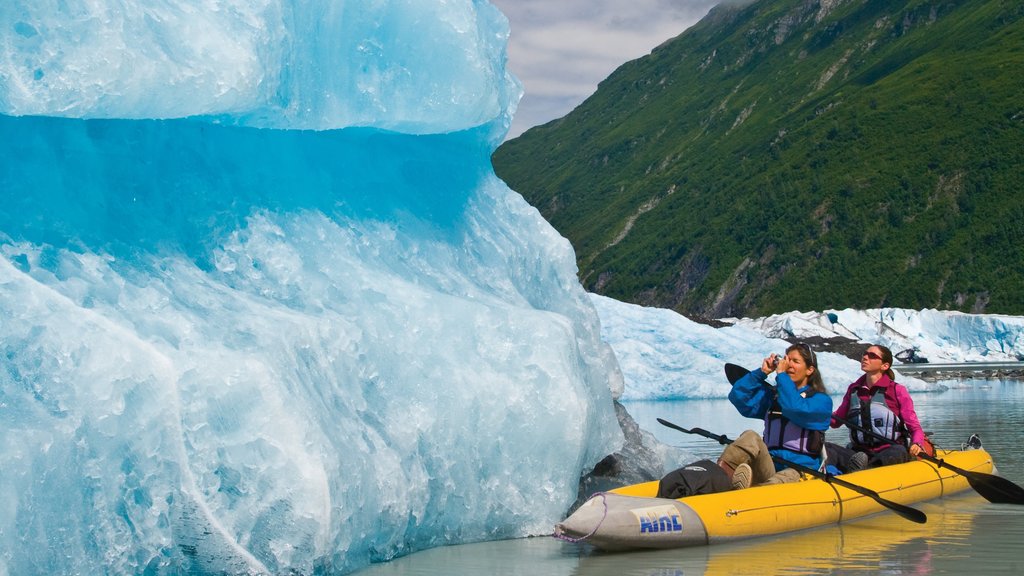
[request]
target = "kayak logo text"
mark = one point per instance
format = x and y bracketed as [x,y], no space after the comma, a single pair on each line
[658,519]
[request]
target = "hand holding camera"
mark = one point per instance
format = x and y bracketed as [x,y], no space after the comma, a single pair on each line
[771,363]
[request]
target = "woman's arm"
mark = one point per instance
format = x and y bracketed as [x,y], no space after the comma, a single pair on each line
[813,412]
[751,395]
[908,414]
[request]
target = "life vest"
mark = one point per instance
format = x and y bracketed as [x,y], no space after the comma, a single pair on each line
[875,415]
[781,433]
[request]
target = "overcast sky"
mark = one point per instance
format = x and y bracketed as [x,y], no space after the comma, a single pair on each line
[561,49]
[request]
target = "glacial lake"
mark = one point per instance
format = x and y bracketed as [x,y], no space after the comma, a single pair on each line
[965,534]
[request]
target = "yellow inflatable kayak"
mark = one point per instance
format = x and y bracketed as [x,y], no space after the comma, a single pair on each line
[632,517]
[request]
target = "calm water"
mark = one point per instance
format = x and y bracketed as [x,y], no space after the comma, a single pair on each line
[964,534]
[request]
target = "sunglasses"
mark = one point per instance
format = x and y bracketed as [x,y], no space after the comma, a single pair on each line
[872,355]
[810,353]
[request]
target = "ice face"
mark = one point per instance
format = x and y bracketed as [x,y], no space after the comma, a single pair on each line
[233,345]
[413,66]
[942,336]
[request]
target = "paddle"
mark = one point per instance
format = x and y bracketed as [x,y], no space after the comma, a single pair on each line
[912,514]
[995,489]
[734,372]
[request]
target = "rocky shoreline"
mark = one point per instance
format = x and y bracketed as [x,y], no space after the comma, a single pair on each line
[983,374]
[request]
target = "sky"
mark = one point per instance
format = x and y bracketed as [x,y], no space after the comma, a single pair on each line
[561,49]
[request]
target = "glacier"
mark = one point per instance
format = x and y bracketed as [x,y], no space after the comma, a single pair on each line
[665,356]
[942,336]
[264,305]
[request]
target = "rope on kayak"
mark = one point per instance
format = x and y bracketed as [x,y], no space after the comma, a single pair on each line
[604,515]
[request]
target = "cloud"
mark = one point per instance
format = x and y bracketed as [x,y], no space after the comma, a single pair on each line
[561,50]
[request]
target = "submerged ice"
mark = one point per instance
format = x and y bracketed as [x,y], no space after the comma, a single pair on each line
[264,306]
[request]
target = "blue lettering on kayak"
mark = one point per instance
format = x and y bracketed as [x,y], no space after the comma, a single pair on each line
[658,519]
[661,524]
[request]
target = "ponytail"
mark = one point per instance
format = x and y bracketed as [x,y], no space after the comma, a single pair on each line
[886,358]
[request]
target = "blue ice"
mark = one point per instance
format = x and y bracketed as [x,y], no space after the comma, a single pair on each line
[264,306]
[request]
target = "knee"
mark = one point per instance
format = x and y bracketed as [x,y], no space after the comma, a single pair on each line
[748,436]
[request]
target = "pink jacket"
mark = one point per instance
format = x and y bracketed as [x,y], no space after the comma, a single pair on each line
[897,398]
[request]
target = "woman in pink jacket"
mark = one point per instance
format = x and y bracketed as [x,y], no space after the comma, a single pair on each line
[876,402]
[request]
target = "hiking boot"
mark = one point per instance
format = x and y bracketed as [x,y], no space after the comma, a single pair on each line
[742,476]
[858,461]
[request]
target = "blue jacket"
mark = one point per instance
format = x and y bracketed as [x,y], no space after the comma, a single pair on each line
[753,396]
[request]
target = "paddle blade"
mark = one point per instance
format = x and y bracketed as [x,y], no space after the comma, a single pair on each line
[734,372]
[996,489]
[908,513]
[668,424]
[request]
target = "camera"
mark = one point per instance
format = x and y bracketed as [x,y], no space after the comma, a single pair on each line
[778,358]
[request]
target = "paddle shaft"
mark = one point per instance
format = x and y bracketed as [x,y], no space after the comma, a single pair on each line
[993,488]
[912,514]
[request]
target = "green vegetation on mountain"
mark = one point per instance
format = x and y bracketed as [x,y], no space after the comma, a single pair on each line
[795,154]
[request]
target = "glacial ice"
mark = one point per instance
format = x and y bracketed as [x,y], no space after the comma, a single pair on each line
[264,306]
[666,356]
[942,336]
[409,66]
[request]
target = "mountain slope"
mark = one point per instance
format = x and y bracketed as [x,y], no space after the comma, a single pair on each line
[793,154]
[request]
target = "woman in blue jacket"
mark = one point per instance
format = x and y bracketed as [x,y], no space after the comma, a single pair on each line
[796,413]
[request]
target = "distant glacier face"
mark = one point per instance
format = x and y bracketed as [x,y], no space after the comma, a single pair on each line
[264,306]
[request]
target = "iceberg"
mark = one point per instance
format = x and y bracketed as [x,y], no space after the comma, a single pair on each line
[264,305]
[408,66]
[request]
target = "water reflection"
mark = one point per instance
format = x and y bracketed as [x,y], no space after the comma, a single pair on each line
[524,557]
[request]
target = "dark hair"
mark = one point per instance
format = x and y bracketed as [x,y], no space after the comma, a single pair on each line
[886,359]
[815,380]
